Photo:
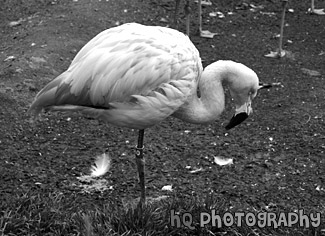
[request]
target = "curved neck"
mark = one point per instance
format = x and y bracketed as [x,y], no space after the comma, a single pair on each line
[210,103]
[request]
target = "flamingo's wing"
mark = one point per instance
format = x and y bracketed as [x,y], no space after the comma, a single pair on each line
[128,64]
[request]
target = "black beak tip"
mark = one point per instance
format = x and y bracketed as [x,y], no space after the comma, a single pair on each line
[263,85]
[236,120]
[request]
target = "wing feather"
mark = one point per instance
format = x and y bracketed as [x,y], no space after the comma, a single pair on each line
[130,64]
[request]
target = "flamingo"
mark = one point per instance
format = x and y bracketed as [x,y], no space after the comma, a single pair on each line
[315,11]
[187,14]
[280,52]
[187,9]
[135,76]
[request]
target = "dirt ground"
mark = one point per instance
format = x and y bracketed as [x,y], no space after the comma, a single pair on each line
[278,153]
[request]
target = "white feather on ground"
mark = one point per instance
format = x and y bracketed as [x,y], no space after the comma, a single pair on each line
[223,161]
[102,165]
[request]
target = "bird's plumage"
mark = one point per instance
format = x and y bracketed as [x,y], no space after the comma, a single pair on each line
[124,72]
[136,76]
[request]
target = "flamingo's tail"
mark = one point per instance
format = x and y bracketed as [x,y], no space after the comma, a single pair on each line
[45,98]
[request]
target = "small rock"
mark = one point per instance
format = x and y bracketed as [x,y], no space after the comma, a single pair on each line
[15,23]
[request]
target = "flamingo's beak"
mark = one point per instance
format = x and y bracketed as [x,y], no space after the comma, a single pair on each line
[268,85]
[236,120]
[242,112]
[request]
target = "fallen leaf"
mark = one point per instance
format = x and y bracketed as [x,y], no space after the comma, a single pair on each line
[163,19]
[196,170]
[256,7]
[268,13]
[207,34]
[223,161]
[15,23]
[10,58]
[217,13]
[205,2]
[167,188]
[310,72]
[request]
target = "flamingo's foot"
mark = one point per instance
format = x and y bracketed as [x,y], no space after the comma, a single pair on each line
[207,34]
[316,11]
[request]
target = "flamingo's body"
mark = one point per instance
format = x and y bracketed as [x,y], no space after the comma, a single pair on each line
[136,76]
[133,76]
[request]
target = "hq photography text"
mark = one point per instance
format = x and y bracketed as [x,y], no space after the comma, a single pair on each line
[261,219]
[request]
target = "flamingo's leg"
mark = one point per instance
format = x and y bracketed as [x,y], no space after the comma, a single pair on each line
[140,164]
[312,10]
[187,9]
[176,14]
[284,6]
[200,16]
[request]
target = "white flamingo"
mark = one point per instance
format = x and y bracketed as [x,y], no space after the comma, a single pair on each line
[135,76]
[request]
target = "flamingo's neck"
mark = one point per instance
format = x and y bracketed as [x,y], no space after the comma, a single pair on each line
[209,104]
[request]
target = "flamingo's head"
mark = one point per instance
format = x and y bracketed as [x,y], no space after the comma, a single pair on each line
[243,86]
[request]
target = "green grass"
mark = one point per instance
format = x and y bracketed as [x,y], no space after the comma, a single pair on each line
[57,214]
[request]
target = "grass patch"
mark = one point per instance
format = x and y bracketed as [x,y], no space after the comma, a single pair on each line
[57,214]
[34,214]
